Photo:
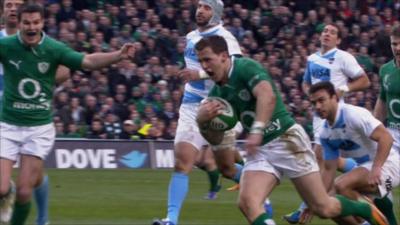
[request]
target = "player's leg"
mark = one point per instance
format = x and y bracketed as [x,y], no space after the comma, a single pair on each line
[206,162]
[325,206]
[28,178]
[188,142]
[255,188]
[7,190]
[8,156]
[41,196]
[38,144]
[356,181]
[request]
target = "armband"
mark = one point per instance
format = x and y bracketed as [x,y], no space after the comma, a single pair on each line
[203,75]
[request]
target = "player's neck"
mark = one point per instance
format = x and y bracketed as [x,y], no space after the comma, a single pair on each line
[206,27]
[332,117]
[11,30]
[228,67]
[325,49]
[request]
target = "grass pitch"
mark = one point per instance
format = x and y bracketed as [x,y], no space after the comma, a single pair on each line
[132,197]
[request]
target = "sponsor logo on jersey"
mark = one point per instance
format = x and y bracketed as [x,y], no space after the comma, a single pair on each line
[43,67]
[15,63]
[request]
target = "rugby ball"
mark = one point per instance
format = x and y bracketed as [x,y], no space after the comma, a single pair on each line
[227,119]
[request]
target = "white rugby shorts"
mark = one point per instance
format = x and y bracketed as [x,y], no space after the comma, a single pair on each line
[22,140]
[290,155]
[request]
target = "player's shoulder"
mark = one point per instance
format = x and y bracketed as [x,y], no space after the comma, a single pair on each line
[247,63]
[343,55]
[353,112]
[388,66]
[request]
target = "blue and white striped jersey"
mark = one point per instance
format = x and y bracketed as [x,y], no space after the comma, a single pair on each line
[349,136]
[195,91]
[336,66]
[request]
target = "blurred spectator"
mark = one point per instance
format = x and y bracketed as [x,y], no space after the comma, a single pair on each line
[96,130]
[129,131]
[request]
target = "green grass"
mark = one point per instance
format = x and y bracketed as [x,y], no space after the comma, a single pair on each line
[119,197]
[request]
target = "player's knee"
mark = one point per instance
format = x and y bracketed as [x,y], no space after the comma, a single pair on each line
[4,188]
[340,187]
[228,171]
[244,205]
[24,193]
[182,166]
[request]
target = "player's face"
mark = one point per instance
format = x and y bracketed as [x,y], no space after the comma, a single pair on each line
[324,105]
[203,14]
[31,26]
[10,8]
[395,43]
[215,65]
[329,37]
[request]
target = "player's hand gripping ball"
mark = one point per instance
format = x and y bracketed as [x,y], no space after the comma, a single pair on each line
[227,119]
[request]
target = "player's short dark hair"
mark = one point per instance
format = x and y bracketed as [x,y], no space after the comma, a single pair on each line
[323,85]
[30,8]
[395,31]
[215,42]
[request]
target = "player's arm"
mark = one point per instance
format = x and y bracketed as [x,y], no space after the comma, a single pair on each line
[360,83]
[385,141]
[305,85]
[265,106]
[380,110]
[331,157]
[190,74]
[328,173]
[62,74]
[265,101]
[99,60]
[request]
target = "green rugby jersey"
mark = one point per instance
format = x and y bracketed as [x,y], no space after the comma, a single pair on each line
[29,78]
[244,76]
[390,92]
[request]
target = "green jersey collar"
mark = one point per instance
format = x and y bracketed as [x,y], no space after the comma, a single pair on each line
[40,42]
[232,66]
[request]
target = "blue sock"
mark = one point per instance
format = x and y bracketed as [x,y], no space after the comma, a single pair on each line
[178,188]
[349,165]
[41,195]
[238,174]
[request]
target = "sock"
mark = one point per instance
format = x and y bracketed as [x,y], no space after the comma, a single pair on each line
[349,164]
[214,178]
[238,174]
[20,213]
[178,188]
[386,207]
[355,208]
[41,195]
[261,220]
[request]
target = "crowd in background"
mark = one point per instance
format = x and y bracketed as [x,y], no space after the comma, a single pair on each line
[140,99]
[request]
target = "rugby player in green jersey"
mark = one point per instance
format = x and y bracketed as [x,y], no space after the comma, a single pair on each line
[275,144]
[387,108]
[8,10]
[30,60]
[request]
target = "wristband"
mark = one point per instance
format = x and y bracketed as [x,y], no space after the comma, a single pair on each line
[257,127]
[203,75]
[344,88]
